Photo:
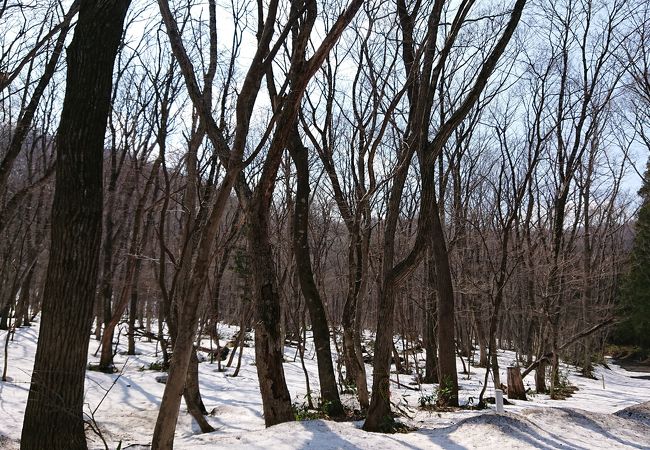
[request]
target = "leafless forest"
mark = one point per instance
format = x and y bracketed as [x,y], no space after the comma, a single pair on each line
[454,176]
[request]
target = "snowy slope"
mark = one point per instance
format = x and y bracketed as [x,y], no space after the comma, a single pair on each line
[127,413]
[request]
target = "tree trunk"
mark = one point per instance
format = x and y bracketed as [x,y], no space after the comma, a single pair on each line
[431,325]
[192,395]
[352,353]
[317,315]
[22,306]
[482,340]
[108,246]
[133,303]
[133,309]
[540,378]
[163,437]
[4,317]
[54,412]
[516,388]
[165,428]
[357,279]
[22,311]
[494,363]
[268,344]
[447,373]
[379,416]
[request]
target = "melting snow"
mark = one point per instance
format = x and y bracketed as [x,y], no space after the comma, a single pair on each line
[592,418]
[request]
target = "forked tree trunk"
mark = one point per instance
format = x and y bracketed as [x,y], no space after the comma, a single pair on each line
[357,279]
[268,341]
[268,345]
[354,363]
[54,412]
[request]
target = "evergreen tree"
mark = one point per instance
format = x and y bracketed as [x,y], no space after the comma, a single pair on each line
[636,287]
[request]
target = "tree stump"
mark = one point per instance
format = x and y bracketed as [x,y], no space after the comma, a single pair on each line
[516,390]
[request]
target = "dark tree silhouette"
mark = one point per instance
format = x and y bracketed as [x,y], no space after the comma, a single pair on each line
[636,291]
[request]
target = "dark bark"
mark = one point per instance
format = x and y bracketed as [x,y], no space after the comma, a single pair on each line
[357,282]
[447,374]
[133,308]
[54,413]
[268,343]
[379,413]
[192,395]
[108,244]
[540,377]
[516,388]
[317,315]
[352,350]
[22,309]
[431,325]
[4,315]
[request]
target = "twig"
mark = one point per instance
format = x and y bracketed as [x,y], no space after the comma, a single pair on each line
[90,421]
[404,386]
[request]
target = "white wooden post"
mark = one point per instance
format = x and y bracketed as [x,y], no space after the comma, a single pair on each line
[498,395]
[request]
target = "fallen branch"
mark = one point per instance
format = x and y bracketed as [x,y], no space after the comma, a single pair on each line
[403,385]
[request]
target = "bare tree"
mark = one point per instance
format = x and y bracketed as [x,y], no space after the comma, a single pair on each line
[423,68]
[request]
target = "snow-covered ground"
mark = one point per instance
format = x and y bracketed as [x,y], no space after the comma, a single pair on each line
[127,414]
